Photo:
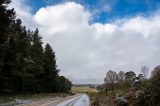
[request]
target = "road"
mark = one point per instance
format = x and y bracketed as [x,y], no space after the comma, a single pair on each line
[80,100]
[76,100]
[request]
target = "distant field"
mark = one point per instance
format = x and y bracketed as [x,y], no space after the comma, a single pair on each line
[83,89]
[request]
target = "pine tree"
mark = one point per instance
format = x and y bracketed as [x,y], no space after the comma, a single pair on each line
[37,57]
[6,18]
[50,68]
[64,84]
[14,70]
[22,59]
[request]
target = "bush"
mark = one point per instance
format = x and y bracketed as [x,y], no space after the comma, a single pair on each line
[151,94]
[147,99]
[120,101]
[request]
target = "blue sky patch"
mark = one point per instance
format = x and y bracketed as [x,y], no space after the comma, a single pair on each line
[106,10]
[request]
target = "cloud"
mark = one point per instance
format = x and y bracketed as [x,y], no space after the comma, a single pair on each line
[23,11]
[85,52]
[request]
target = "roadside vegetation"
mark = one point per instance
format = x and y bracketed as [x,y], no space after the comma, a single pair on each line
[128,89]
[26,67]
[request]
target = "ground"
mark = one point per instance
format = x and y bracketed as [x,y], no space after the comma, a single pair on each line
[49,100]
[10,100]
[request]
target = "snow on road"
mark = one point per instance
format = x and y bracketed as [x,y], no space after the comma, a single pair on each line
[80,100]
[76,100]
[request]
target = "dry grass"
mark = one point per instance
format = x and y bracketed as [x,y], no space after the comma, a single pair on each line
[100,99]
[83,90]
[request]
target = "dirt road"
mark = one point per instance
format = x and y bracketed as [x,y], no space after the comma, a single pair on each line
[76,100]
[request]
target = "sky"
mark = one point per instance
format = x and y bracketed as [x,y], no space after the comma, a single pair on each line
[91,37]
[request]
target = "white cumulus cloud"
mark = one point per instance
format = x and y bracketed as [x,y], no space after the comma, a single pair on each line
[85,52]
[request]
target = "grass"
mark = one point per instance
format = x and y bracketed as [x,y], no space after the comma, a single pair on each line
[83,90]
[100,99]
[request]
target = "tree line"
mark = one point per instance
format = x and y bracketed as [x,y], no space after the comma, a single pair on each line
[114,79]
[25,66]
[131,89]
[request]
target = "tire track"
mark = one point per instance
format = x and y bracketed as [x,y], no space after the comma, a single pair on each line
[49,101]
[74,101]
[54,103]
